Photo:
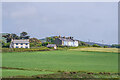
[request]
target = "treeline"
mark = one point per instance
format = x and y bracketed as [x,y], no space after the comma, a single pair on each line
[36,43]
[81,43]
[115,46]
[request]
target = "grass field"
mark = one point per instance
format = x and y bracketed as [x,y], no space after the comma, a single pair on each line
[19,73]
[97,49]
[58,61]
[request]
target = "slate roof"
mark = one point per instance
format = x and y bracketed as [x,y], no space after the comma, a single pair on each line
[65,39]
[21,41]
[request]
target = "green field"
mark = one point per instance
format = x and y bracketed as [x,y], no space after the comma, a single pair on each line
[47,62]
[9,72]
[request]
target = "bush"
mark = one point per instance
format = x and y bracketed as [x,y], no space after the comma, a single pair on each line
[105,46]
[81,43]
[5,45]
[24,49]
[115,46]
[35,44]
[95,45]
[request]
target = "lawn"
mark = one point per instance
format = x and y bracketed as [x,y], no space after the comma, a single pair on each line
[62,60]
[24,73]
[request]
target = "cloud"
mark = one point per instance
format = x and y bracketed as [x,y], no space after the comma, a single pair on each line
[24,12]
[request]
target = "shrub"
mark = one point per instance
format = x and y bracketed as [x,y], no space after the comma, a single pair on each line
[24,49]
[105,46]
[95,45]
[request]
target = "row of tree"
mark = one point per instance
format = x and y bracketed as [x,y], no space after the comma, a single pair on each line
[34,42]
[9,37]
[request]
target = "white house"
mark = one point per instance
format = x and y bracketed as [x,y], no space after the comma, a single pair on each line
[21,43]
[66,42]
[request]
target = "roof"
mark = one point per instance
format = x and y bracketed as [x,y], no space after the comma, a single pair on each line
[65,39]
[51,45]
[21,41]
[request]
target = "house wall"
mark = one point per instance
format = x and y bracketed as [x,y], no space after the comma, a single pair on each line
[13,45]
[70,43]
[65,43]
[75,43]
[58,42]
[21,46]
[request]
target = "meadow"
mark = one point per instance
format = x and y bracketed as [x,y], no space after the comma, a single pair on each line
[50,62]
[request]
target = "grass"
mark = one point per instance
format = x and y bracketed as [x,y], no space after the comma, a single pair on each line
[97,49]
[61,60]
[24,73]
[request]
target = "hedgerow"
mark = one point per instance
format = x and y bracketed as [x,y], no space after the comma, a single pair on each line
[24,49]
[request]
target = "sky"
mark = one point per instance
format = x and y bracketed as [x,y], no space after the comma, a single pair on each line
[85,21]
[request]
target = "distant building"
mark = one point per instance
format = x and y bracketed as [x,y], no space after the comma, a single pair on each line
[52,45]
[21,43]
[62,41]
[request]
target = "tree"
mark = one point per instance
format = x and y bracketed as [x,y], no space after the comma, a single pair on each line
[34,42]
[45,43]
[115,45]
[55,37]
[81,43]
[5,45]
[10,36]
[14,36]
[23,33]
[105,46]
[50,39]
[95,45]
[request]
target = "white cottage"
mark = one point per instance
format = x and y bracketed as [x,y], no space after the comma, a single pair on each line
[66,42]
[21,43]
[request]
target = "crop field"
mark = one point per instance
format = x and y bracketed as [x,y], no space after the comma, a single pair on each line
[10,72]
[50,62]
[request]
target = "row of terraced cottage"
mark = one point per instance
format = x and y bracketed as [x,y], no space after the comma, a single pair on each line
[61,41]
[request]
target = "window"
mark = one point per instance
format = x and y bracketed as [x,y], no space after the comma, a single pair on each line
[21,47]
[16,43]
[26,47]
[26,43]
[21,43]
[17,47]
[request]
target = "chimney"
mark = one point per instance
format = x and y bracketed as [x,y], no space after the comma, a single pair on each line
[59,36]
[71,37]
[68,37]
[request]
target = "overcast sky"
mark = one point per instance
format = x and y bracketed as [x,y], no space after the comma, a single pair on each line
[84,21]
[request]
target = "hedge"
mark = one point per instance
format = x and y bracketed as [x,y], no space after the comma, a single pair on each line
[24,49]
